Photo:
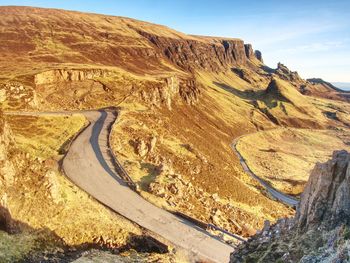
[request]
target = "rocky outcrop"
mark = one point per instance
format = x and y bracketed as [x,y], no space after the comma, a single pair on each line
[165,91]
[326,198]
[210,54]
[276,90]
[7,169]
[17,95]
[311,87]
[284,73]
[141,148]
[249,52]
[190,91]
[258,55]
[320,231]
[62,75]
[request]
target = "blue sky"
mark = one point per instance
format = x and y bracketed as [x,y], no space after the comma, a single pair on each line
[312,37]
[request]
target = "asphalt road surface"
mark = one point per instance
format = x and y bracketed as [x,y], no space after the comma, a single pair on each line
[284,198]
[89,165]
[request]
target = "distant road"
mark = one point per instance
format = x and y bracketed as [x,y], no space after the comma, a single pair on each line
[284,198]
[89,165]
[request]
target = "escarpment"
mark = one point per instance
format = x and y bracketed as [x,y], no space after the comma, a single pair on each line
[206,53]
[62,75]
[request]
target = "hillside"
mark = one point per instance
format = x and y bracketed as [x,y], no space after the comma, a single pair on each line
[39,205]
[183,99]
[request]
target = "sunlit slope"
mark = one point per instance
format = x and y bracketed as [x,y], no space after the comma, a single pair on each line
[182,101]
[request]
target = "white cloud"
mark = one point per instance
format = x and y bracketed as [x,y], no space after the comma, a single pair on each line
[313,47]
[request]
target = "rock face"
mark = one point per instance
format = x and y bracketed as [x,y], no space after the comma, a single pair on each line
[61,75]
[7,170]
[284,73]
[249,52]
[321,224]
[258,55]
[168,89]
[200,53]
[326,198]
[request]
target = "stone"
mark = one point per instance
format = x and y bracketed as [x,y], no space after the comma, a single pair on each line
[2,95]
[53,186]
[141,148]
[165,167]
[215,197]
[152,144]
[7,173]
[63,75]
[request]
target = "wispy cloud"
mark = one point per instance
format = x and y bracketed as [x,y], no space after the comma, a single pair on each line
[293,31]
[314,47]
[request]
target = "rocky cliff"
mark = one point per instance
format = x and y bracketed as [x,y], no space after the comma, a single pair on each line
[320,231]
[62,75]
[7,169]
[326,198]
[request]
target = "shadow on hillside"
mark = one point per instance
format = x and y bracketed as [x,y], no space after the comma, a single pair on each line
[46,242]
[289,181]
[151,175]
[267,69]
[10,225]
[246,95]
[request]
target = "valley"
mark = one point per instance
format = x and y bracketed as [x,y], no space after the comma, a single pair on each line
[181,101]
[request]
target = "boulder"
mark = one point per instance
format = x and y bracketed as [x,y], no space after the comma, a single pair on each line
[152,144]
[141,148]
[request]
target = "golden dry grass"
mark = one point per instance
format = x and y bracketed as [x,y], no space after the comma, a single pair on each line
[44,136]
[48,200]
[197,141]
[191,136]
[285,157]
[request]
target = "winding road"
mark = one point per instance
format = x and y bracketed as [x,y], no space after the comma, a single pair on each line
[284,198]
[89,165]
